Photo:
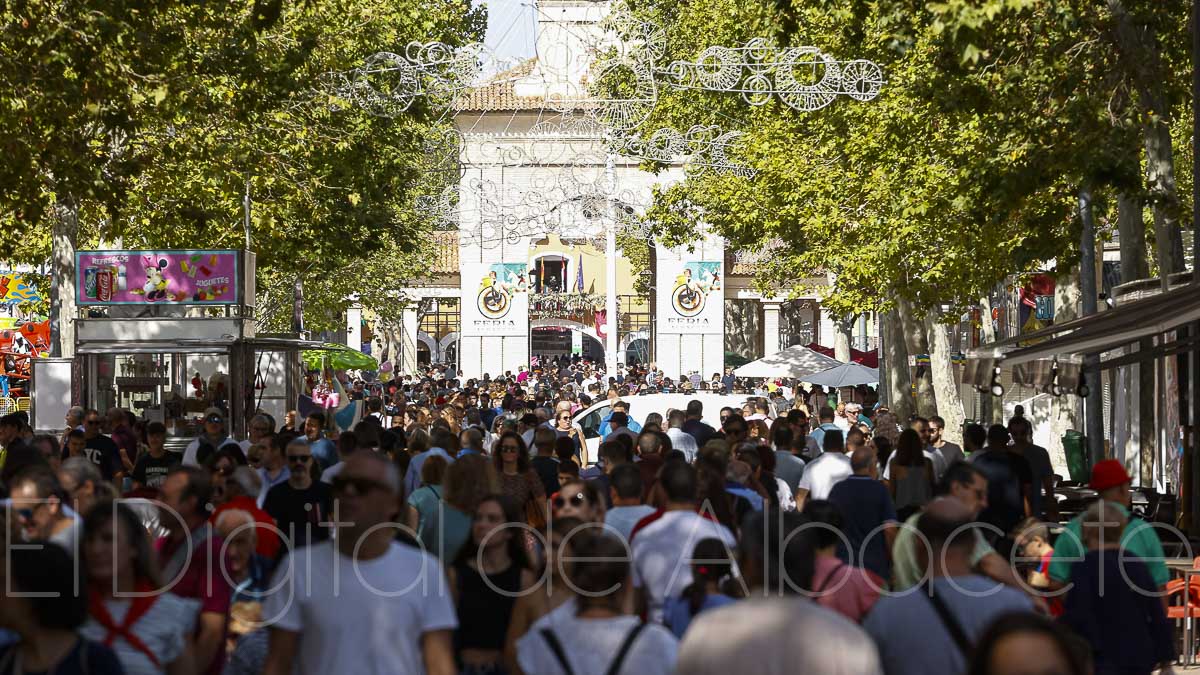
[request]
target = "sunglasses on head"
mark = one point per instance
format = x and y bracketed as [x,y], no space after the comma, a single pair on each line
[359,486]
[576,500]
[299,458]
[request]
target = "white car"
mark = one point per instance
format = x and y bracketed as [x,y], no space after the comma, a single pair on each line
[589,419]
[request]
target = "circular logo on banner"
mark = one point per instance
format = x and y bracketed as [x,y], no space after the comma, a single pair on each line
[693,284]
[687,301]
[493,302]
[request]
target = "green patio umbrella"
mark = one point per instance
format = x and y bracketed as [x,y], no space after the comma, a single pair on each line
[733,360]
[338,357]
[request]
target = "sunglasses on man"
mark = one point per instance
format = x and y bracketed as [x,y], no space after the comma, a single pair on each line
[299,459]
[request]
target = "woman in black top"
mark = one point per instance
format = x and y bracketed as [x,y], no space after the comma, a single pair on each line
[496,551]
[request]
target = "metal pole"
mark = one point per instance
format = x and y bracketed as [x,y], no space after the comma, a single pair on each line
[246,209]
[610,271]
[1093,409]
[1194,355]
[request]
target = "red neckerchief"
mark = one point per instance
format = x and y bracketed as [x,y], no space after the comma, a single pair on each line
[137,609]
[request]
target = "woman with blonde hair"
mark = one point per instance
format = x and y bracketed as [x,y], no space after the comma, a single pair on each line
[467,481]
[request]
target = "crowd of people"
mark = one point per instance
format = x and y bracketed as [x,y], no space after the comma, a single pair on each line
[460,528]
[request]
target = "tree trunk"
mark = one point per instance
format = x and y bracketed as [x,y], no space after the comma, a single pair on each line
[1064,410]
[949,403]
[1132,229]
[895,360]
[1141,57]
[841,339]
[991,407]
[917,343]
[64,234]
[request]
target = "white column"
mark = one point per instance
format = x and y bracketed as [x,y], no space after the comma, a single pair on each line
[407,361]
[770,327]
[354,327]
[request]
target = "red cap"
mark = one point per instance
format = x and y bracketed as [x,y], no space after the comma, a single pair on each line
[1108,474]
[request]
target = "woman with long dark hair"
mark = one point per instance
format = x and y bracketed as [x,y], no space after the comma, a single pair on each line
[42,605]
[486,577]
[552,590]
[911,478]
[598,636]
[704,593]
[518,480]
[148,629]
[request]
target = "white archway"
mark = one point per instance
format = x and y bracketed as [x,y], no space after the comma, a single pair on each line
[425,338]
[450,339]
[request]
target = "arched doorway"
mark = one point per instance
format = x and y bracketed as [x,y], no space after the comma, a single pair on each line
[552,338]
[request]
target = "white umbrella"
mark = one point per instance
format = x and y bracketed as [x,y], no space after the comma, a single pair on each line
[845,375]
[797,361]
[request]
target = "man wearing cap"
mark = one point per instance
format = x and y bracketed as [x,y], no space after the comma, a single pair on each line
[210,441]
[1138,540]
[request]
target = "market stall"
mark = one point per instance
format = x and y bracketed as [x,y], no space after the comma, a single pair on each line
[169,334]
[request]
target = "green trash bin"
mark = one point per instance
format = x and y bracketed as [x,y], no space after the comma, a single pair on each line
[1075,447]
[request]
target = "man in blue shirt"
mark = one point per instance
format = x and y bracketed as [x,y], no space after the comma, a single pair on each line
[825,416]
[618,406]
[323,449]
[866,506]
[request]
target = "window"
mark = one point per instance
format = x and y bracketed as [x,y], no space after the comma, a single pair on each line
[590,423]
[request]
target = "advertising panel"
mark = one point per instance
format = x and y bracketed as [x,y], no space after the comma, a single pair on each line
[495,299]
[693,297]
[156,277]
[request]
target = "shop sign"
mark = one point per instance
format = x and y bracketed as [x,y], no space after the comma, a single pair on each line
[156,277]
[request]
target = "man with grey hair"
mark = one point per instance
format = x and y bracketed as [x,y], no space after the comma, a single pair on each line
[316,615]
[258,431]
[82,484]
[74,420]
[241,494]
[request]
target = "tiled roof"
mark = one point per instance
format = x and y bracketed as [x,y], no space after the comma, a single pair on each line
[499,93]
[445,252]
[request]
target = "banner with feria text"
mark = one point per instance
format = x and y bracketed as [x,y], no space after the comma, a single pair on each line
[495,299]
[691,296]
[156,277]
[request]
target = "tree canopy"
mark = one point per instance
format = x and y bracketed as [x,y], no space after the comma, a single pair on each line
[154,118]
[965,168]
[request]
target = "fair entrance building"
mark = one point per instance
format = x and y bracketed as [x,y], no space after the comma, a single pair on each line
[530,265]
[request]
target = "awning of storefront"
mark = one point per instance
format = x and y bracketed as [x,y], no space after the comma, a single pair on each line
[1096,334]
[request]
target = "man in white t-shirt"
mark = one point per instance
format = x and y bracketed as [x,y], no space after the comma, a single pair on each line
[680,439]
[663,542]
[828,469]
[363,603]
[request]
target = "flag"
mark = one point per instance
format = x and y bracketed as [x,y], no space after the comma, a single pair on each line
[579,275]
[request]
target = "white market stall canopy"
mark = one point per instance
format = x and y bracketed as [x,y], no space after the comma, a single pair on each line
[796,361]
[845,375]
